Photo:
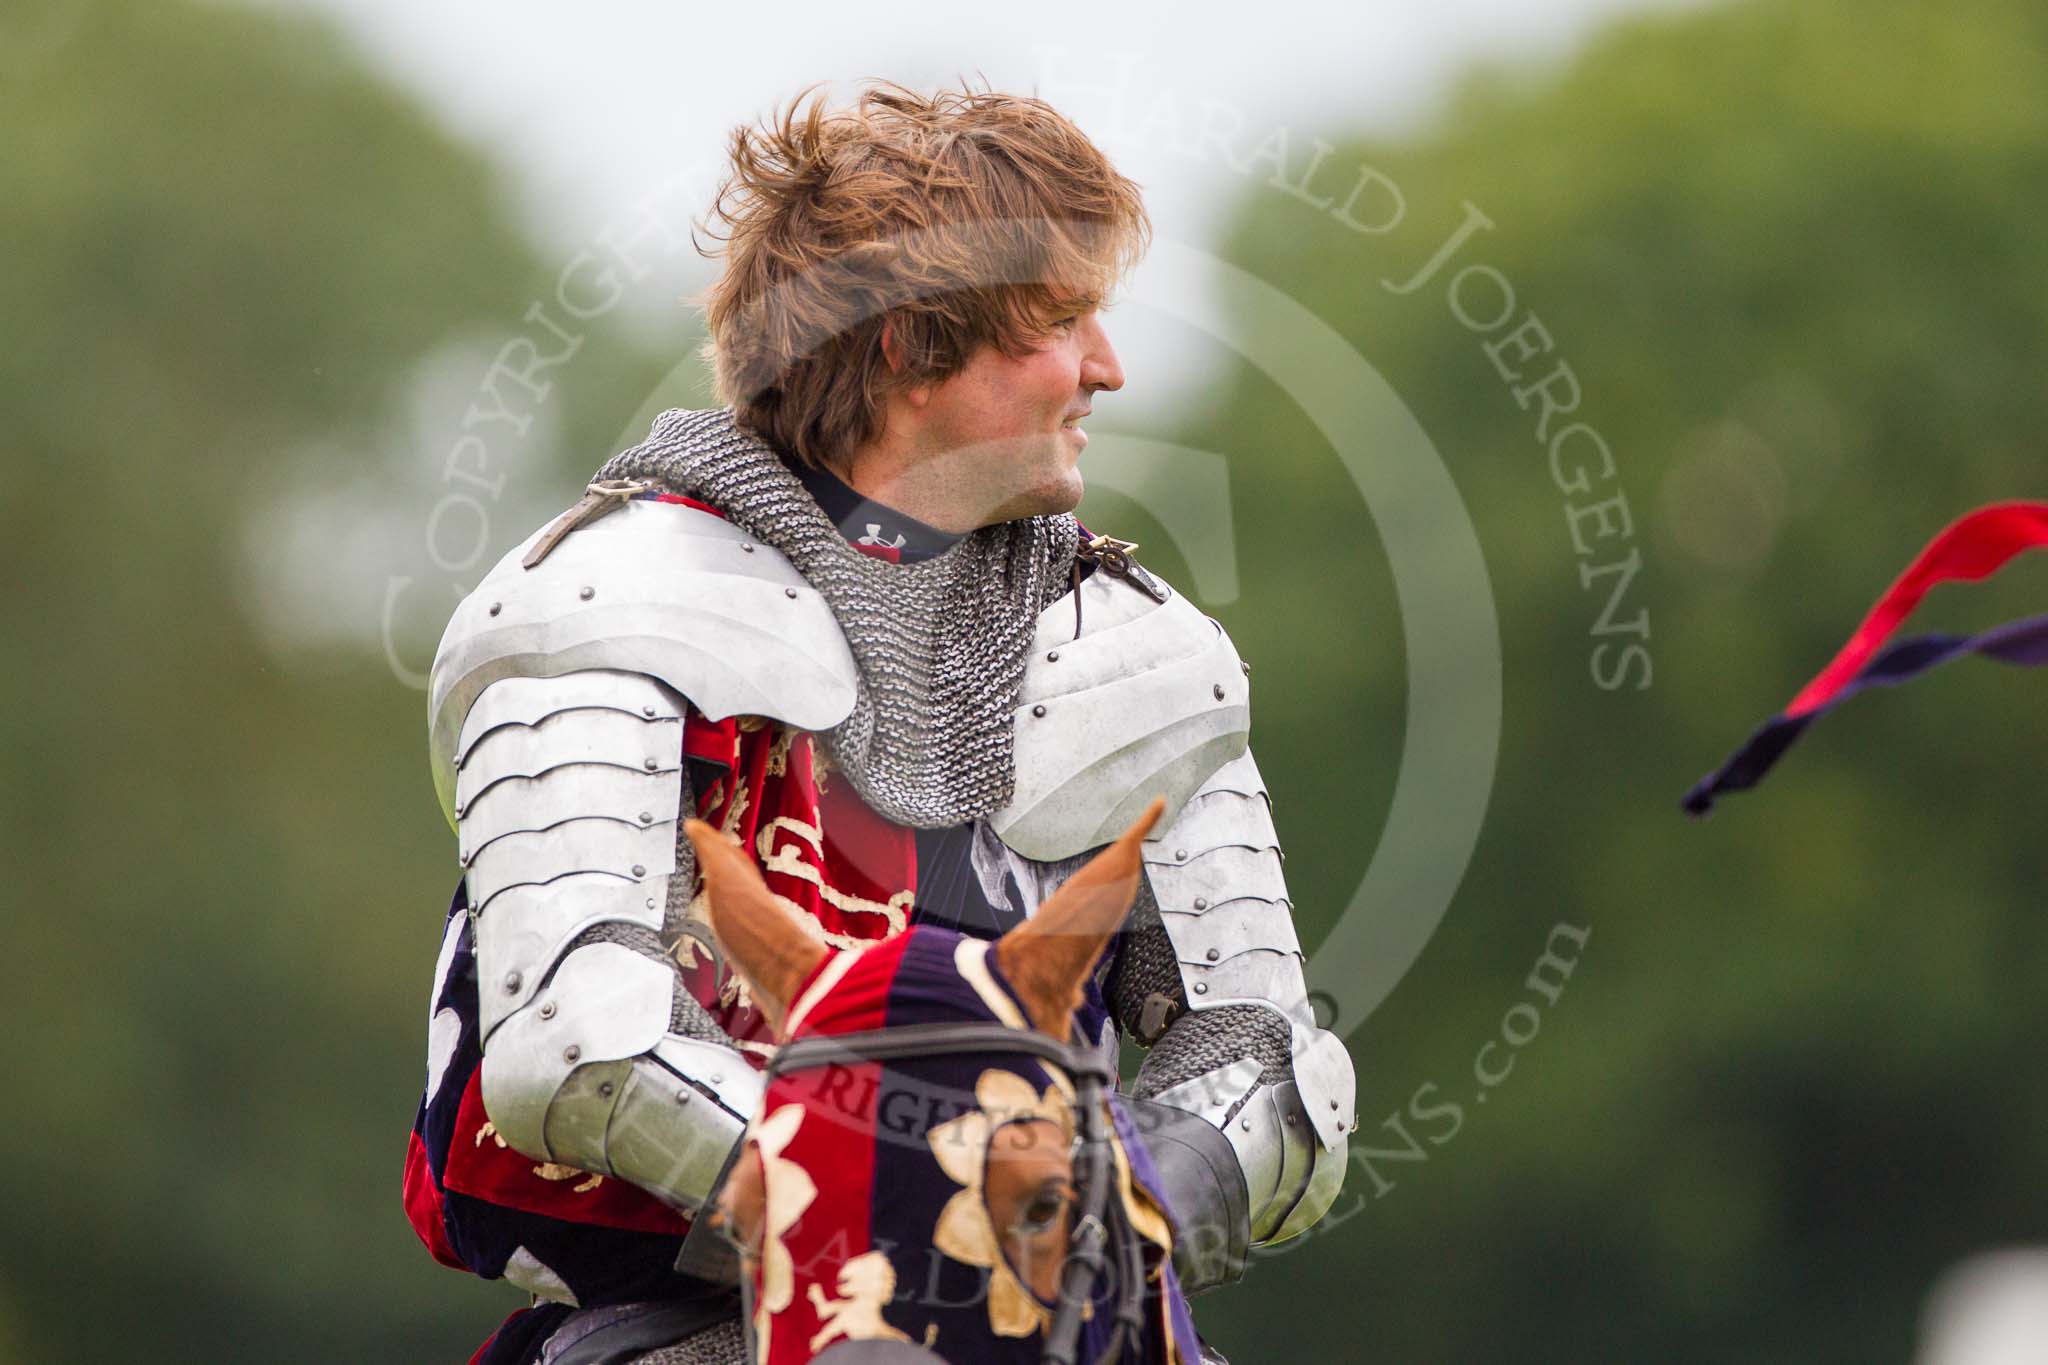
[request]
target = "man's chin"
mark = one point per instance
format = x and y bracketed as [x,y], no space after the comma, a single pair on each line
[1068,497]
[1062,496]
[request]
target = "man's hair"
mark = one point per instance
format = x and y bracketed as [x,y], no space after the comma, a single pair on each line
[964,218]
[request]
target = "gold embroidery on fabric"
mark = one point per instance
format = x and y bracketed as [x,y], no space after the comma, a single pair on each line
[1145,1216]
[821,765]
[865,1283]
[789,1191]
[819,932]
[764,839]
[965,1232]
[895,911]
[734,993]
[790,861]
[729,826]
[688,950]
[778,752]
[548,1170]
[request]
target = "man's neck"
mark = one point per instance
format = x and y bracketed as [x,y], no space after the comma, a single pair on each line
[924,490]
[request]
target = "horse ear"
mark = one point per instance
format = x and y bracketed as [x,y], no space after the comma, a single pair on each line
[764,938]
[1047,958]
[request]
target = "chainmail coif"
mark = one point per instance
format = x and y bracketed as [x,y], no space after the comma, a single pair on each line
[940,646]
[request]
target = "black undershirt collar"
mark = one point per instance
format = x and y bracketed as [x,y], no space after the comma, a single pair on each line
[864,521]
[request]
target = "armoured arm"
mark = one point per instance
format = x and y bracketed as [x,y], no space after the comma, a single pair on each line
[569,796]
[556,716]
[1133,692]
[1239,1081]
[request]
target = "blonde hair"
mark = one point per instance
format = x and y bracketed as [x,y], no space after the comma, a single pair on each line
[962,219]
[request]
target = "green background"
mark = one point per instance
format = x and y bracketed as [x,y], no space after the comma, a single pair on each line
[1791,251]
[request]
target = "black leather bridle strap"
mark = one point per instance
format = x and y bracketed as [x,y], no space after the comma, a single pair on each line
[933,1040]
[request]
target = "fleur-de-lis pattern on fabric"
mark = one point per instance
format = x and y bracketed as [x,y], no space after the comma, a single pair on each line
[790,1190]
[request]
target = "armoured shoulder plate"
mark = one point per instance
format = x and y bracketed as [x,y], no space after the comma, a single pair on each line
[655,588]
[1148,698]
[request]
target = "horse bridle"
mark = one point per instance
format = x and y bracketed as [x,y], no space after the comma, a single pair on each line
[1089,1242]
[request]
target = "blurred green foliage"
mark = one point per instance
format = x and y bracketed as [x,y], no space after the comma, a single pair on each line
[222,240]
[1791,253]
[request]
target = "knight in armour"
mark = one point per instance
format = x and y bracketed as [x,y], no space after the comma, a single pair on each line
[849,621]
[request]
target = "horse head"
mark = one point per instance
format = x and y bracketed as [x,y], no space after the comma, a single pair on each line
[935,1171]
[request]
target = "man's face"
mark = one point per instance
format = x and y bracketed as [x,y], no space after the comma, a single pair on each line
[1008,429]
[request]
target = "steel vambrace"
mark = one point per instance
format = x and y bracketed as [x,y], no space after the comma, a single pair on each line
[1246,1056]
[569,792]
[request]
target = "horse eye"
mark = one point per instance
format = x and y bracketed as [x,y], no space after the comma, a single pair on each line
[1044,1209]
